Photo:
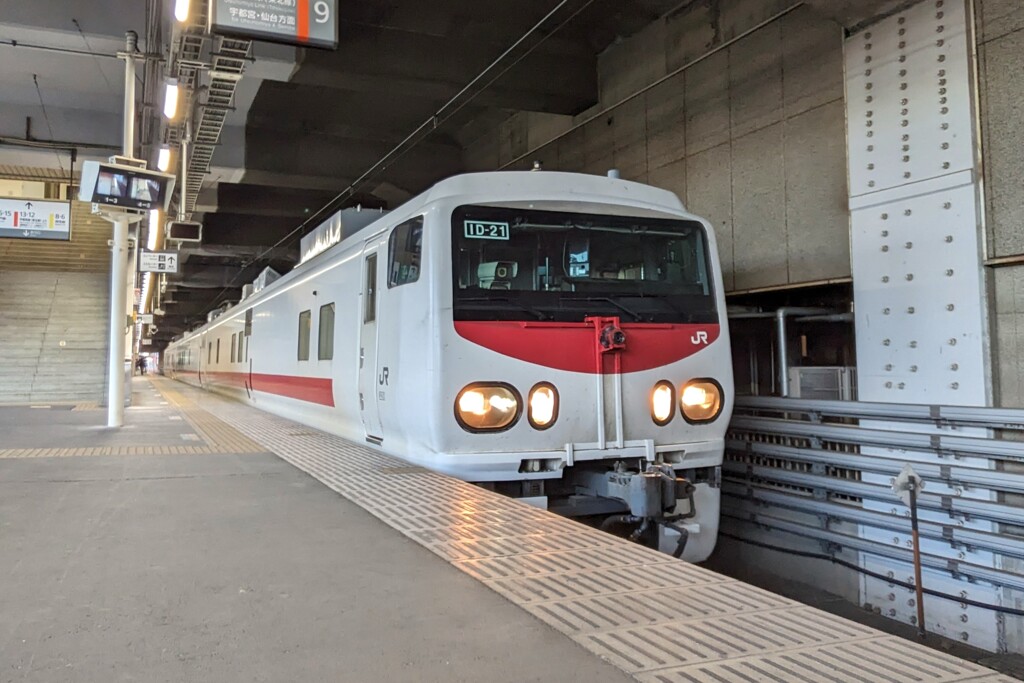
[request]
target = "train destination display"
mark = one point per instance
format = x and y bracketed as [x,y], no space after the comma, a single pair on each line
[35,219]
[307,23]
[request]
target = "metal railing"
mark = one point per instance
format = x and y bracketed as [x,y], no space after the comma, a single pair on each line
[787,456]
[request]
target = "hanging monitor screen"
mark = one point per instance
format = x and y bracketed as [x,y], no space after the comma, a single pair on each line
[307,23]
[126,187]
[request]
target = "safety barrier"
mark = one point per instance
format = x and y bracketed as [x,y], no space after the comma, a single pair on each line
[799,469]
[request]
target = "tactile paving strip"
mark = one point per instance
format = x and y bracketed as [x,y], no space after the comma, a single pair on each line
[654,617]
[217,436]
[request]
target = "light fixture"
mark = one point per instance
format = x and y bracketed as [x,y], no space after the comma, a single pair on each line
[163,160]
[701,400]
[171,99]
[543,406]
[663,403]
[181,10]
[490,406]
[154,229]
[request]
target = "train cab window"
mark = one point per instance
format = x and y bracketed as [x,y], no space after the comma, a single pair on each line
[233,337]
[305,327]
[240,337]
[325,343]
[370,291]
[514,263]
[404,249]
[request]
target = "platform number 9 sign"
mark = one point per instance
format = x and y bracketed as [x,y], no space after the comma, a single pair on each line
[322,11]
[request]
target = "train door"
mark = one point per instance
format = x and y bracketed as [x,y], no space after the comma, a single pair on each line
[368,345]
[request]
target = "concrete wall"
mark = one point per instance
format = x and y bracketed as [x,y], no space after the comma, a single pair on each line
[754,139]
[1001,84]
[772,101]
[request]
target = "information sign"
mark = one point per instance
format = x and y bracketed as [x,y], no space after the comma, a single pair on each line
[144,318]
[158,262]
[312,23]
[35,219]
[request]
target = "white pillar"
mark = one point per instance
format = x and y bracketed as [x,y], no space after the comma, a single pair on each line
[119,256]
[118,320]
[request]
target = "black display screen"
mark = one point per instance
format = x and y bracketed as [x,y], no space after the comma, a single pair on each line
[128,189]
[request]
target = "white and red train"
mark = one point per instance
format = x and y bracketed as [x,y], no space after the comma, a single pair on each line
[557,336]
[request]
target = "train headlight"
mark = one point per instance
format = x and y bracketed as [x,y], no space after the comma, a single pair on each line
[663,403]
[543,406]
[701,400]
[486,407]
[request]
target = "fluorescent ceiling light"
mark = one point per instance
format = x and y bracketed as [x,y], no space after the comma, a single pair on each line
[163,160]
[154,229]
[181,10]
[171,99]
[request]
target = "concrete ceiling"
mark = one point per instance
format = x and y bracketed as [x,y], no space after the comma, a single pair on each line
[315,126]
[306,123]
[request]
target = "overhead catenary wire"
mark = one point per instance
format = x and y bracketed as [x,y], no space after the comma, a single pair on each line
[95,58]
[445,112]
[672,74]
[46,118]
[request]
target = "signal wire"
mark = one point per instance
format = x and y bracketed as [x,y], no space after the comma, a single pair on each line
[445,112]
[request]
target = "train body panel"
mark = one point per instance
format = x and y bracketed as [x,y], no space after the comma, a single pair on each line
[382,338]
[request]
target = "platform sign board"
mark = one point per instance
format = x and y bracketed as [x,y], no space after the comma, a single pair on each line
[144,318]
[306,23]
[158,262]
[35,219]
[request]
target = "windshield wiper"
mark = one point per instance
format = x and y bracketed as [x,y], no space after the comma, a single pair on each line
[541,315]
[607,299]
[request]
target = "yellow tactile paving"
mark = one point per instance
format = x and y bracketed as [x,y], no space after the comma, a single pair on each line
[219,437]
[222,437]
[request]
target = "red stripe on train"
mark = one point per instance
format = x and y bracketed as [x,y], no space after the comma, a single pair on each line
[571,346]
[318,390]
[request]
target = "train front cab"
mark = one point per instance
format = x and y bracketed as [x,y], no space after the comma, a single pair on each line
[586,362]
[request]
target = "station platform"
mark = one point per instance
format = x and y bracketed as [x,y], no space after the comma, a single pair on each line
[207,540]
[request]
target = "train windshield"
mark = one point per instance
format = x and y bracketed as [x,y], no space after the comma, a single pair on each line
[525,264]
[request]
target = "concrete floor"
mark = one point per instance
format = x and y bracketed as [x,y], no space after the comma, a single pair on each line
[238,568]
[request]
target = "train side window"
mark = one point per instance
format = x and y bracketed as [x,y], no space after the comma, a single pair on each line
[370,293]
[233,337]
[405,246]
[218,350]
[240,338]
[209,352]
[325,344]
[305,327]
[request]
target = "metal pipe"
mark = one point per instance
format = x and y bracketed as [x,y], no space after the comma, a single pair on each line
[183,194]
[917,558]
[1002,261]
[131,47]
[781,340]
[830,318]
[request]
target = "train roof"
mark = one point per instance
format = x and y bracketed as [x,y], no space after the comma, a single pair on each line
[495,187]
[542,185]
